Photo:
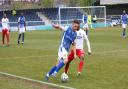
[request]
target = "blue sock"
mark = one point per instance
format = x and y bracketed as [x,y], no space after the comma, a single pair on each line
[86,32]
[52,70]
[19,37]
[22,37]
[124,31]
[60,65]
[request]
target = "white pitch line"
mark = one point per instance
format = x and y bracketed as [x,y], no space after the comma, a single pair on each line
[37,81]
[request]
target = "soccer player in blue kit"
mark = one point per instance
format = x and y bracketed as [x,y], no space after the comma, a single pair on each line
[124,19]
[68,38]
[85,21]
[21,28]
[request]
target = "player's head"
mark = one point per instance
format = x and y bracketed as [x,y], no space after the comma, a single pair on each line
[76,25]
[124,12]
[22,14]
[4,15]
[85,14]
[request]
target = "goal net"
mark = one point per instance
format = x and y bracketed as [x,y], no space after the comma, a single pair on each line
[67,14]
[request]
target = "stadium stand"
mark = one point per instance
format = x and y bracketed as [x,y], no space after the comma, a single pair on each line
[66,14]
[52,13]
[30,15]
[116,9]
[76,14]
[33,19]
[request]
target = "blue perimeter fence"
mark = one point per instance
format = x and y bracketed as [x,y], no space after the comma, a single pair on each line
[49,27]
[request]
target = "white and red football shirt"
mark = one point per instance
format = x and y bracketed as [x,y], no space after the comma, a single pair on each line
[81,35]
[5,23]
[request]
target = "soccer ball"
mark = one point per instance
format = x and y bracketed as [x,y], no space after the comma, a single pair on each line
[64,77]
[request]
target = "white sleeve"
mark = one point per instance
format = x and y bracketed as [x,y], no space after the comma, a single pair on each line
[24,19]
[8,22]
[87,41]
[19,19]
[83,18]
[1,20]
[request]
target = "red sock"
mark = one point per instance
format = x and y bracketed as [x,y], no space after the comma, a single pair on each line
[7,36]
[3,36]
[81,64]
[70,58]
[66,68]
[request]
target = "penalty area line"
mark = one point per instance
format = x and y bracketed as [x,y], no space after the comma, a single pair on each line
[36,81]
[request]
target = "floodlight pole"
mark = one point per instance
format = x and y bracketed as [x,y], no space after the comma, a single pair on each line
[59,13]
[105,16]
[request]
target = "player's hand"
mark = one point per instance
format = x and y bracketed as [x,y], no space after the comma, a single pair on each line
[75,56]
[55,25]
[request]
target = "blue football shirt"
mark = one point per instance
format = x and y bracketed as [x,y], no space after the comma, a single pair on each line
[68,38]
[21,21]
[124,18]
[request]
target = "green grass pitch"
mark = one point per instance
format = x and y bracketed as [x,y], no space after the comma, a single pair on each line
[106,68]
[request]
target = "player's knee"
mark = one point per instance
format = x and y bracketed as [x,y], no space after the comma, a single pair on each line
[65,61]
[69,61]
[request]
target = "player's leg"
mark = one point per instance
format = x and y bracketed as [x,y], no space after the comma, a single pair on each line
[19,38]
[23,38]
[55,69]
[50,73]
[52,70]
[86,29]
[67,66]
[3,36]
[62,61]
[70,58]
[124,32]
[23,34]
[60,64]
[81,62]
[7,36]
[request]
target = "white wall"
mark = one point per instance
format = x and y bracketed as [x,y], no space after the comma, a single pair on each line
[102,2]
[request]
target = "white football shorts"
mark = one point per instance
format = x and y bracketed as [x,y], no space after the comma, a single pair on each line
[21,30]
[124,25]
[85,25]
[62,53]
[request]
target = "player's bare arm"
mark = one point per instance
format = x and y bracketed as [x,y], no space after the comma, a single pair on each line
[88,44]
[57,26]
